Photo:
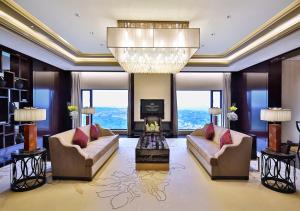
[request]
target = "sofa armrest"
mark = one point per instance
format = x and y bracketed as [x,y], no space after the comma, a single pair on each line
[66,159]
[243,147]
[198,132]
[106,132]
[69,147]
[235,157]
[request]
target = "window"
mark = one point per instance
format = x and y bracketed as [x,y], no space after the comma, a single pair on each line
[257,99]
[193,108]
[111,107]
[44,101]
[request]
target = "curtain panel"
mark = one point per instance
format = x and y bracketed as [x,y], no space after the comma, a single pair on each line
[226,98]
[76,98]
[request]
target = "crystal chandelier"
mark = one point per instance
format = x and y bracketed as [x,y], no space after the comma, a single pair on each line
[153,50]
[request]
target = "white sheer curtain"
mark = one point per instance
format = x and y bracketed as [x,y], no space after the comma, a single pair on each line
[76,97]
[226,98]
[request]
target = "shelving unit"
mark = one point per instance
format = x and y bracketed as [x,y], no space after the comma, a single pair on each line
[13,96]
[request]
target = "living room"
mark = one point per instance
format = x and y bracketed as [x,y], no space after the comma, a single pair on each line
[122,105]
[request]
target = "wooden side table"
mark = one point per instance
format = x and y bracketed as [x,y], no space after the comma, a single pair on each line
[28,169]
[278,171]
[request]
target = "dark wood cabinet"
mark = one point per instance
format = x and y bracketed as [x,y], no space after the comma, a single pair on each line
[17,93]
[30,82]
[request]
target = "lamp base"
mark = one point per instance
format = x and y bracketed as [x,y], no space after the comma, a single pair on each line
[30,137]
[87,120]
[274,137]
[215,120]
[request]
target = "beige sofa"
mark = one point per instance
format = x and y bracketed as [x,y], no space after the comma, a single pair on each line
[230,162]
[71,162]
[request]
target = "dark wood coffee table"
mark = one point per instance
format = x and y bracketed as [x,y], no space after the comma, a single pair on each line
[152,153]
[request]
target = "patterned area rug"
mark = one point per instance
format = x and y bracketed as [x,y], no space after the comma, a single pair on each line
[118,186]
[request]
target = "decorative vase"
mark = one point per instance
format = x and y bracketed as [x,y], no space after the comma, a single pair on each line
[2,82]
[19,84]
[19,138]
[232,117]
[12,107]
[73,114]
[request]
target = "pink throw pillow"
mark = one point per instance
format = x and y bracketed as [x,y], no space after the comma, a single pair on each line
[209,131]
[225,139]
[94,132]
[80,138]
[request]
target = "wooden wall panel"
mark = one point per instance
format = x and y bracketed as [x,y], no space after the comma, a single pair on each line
[241,84]
[54,86]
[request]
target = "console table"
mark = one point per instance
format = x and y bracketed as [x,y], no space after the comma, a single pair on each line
[152,153]
[28,169]
[278,171]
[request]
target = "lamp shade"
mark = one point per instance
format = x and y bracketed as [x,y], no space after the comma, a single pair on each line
[214,111]
[276,115]
[88,110]
[30,115]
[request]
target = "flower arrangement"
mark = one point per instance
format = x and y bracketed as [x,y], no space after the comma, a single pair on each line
[73,111]
[233,108]
[232,116]
[152,127]
[72,108]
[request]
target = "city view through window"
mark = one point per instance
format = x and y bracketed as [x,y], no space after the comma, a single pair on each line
[112,105]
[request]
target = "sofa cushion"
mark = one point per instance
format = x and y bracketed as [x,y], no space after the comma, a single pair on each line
[209,132]
[104,131]
[94,132]
[96,149]
[219,131]
[207,149]
[80,138]
[225,139]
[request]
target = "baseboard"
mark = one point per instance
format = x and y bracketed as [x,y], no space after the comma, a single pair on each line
[230,177]
[72,178]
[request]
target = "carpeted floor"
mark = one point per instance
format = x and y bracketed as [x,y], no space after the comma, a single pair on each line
[117,186]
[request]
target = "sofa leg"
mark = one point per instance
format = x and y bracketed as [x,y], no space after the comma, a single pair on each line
[229,177]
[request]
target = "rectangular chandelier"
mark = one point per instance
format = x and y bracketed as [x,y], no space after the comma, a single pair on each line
[153,50]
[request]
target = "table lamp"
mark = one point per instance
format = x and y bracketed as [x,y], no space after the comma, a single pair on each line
[275,115]
[88,111]
[30,130]
[215,112]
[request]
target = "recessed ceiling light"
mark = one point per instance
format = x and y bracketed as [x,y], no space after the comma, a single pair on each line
[77,14]
[32,26]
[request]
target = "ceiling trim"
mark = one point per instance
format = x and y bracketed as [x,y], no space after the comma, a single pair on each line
[280,16]
[275,28]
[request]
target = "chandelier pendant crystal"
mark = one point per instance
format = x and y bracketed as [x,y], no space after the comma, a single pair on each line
[153,50]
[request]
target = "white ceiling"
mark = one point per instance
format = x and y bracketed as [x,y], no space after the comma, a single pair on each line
[21,44]
[209,15]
